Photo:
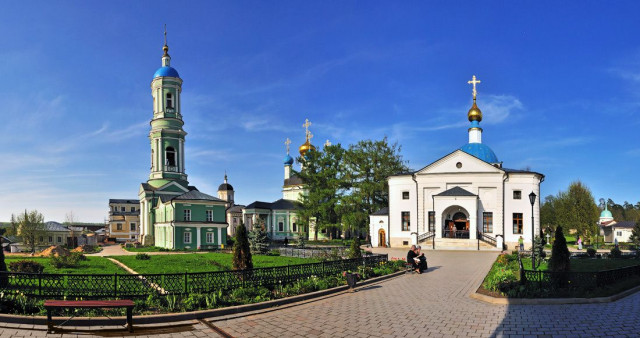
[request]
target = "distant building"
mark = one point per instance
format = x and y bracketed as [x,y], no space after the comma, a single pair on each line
[124,220]
[613,230]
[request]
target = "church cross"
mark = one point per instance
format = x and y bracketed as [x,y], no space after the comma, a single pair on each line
[287,143]
[165,34]
[306,126]
[328,143]
[473,82]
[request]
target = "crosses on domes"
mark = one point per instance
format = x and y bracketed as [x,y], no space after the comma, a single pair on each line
[287,143]
[473,82]
[306,126]
[327,143]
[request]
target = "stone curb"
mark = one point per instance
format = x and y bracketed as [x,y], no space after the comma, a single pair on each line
[194,315]
[552,301]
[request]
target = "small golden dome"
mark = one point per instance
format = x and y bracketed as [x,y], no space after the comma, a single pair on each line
[166,50]
[474,113]
[306,147]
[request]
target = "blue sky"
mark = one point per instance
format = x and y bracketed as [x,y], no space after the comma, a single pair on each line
[560,90]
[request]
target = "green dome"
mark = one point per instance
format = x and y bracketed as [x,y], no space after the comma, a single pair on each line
[606,214]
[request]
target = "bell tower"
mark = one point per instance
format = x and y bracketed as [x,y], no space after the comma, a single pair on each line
[166,135]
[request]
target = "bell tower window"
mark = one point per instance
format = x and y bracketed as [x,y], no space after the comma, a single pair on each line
[170,159]
[169,101]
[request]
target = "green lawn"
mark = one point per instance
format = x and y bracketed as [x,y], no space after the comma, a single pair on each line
[142,249]
[204,262]
[93,265]
[332,242]
[589,265]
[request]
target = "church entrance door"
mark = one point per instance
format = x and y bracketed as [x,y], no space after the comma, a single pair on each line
[457,226]
[382,239]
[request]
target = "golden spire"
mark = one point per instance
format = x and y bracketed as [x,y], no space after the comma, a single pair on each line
[166,47]
[474,113]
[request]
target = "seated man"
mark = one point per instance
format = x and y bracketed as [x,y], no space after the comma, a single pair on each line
[412,258]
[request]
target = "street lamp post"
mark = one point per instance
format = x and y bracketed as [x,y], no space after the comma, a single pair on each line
[532,199]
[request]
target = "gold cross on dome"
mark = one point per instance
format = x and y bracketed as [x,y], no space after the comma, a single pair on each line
[306,126]
[287,143]
[473,82]
[328,143]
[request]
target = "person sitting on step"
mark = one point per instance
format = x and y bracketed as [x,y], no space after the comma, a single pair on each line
[412,258]
[422,260]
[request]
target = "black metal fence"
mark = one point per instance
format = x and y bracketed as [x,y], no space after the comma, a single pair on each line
[312,252]
[135,286]
[577,280]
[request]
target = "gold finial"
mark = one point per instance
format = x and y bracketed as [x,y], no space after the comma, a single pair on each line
[166,47]
[287,143]
[474,113]
[307,146]
[473,82]
[327,143]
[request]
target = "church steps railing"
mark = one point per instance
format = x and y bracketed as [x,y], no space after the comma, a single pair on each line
[487,239]
[426,236]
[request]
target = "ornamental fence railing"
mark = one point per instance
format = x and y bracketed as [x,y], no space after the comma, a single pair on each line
[101,286]
[315,252]
[576,280]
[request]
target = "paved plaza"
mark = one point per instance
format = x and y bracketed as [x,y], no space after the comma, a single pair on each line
[434,304]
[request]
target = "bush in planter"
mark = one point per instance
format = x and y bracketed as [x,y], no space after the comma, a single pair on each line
[616,253]
[26,266]
[354,250]
[591,252]
[560,253]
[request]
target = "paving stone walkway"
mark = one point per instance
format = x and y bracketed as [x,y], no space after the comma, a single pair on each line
[434,304]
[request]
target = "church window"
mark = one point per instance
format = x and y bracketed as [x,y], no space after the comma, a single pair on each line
[133,209]
[517,194]
[209,215]
[487,222]
[187,237]
[123,209]
[169,100]
[50,239]
[281,226]
[294,227]
[119,226]
[132,226]
[170,155]
[405,220]
[619,233]
[517,223]
[209,237]
[432,221]
[59,239]
[187,214]
[405,195]
[41,239]
[459,165]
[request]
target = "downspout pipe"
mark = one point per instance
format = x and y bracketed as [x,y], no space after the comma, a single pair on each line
[413,177]
[504,180]
[433,209]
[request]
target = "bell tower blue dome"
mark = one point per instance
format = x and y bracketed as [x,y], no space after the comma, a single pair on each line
[288,160]
[480,151]
[166,71]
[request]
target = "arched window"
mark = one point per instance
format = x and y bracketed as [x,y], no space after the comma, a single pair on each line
[170,156]
[169,100]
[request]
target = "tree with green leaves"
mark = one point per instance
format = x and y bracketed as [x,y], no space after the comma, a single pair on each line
[548,212]
[635,236]
[354,250]
[325,184]
[242,259]
[30,227]
[576,209]
[560,253]
[258,239]
[368,164]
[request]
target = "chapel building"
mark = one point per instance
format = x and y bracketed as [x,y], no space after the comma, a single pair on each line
[459,199]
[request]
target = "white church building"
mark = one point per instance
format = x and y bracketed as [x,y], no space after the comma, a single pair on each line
[460,198]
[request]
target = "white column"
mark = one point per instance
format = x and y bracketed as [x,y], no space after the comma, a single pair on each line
[182,156]
[198,233]
[220,236]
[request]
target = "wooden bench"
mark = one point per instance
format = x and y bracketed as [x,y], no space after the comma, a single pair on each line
[49,305]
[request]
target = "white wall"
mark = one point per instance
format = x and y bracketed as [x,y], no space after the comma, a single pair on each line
[377,222]
[398,185]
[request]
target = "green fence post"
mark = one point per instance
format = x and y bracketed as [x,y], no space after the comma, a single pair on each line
[39,283]
[323,273]
[115,285]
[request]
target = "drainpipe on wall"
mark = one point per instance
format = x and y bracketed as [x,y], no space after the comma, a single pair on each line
[433,208]
[413,177]
[506,177]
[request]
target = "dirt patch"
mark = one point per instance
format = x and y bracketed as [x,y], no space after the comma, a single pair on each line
[84,249]
[481,290]
[55,250]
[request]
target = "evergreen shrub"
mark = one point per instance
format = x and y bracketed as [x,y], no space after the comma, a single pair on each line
[591,252]
[559,253]
[616,253]
[241,250]
[26,266]
[143,256]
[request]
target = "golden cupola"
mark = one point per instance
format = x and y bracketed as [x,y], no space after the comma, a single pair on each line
[474,113]
[307,146]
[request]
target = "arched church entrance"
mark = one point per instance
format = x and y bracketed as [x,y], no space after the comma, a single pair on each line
[456,224]
[382,239]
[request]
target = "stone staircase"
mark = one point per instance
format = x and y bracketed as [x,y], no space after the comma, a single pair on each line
[457,244]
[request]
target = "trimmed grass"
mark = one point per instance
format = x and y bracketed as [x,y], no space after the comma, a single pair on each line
[143,249]
[588,264]
[93,265]
[201,262]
